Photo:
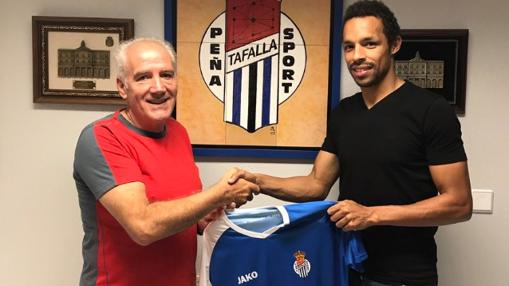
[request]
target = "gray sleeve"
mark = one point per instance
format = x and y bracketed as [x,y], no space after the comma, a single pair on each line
[90,167]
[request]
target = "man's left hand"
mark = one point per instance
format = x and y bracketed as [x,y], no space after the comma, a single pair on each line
[351,216]
[213,215]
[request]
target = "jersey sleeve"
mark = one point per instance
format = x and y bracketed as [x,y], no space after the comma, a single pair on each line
[355,253]
[211,235]
[443,134]
[101,162]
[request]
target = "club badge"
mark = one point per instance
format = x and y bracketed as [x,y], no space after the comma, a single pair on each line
[301,266]
[252,58]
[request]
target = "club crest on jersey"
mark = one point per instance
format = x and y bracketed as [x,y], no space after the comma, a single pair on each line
[252,58]
[301,266]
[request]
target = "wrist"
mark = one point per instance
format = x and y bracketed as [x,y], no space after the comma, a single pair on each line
[374,218]
[258,180]
[220,196]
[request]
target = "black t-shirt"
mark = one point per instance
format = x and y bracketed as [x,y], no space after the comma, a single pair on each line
[384,157]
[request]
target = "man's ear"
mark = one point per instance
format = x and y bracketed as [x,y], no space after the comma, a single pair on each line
[396,45]
[122,88]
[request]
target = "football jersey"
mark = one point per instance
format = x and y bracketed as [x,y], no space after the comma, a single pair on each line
[296,244]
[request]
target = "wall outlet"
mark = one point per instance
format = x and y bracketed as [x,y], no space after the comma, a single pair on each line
[483,201]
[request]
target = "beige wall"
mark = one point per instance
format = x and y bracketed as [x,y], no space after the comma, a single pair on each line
[39,216]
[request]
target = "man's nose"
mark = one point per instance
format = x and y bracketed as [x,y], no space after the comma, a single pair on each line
[358,53]
[157,85]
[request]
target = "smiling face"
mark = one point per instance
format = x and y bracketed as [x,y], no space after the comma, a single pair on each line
[150,85]
[367,52]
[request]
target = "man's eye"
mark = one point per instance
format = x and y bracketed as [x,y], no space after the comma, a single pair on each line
[141,78]
[168,75]
[347,48]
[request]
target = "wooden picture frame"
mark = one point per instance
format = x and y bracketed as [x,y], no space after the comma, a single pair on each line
[73,59]
[204,113]
[436,59]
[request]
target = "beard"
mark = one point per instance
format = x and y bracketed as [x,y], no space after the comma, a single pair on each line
[378,76]
[378,70]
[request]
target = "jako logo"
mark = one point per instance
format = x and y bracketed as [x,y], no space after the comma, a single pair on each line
[247,277]
[252,58]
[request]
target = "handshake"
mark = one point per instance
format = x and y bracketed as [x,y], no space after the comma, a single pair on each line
[237,187]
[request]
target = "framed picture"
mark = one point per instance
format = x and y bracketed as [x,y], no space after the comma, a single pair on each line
[436,60]
[73,59]
[256,78]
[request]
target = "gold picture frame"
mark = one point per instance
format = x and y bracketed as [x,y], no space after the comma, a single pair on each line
[436,59]
[73,59]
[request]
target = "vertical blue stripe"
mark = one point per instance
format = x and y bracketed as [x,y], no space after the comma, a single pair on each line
[170,24]
[267,71]
[335,54]
[237,88]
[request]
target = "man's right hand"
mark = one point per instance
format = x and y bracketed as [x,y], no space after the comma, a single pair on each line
[242,174]
[239,191]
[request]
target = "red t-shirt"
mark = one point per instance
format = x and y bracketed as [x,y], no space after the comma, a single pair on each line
[112,152]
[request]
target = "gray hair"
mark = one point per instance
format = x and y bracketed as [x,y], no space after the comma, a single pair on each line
[120,54]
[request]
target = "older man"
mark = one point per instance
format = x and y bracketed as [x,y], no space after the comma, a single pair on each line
[139,189]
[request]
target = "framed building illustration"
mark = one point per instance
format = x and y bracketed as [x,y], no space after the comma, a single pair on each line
[256,78]
[73,59]
[436,60]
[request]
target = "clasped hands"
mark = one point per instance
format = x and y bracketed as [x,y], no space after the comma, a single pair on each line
[239,187]
[234,191]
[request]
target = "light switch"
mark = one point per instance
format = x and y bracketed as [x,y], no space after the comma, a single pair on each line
[483,201]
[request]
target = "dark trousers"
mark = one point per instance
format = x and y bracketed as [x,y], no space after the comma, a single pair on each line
[357,279]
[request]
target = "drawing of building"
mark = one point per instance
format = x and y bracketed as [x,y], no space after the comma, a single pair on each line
[83,63]
[423,73]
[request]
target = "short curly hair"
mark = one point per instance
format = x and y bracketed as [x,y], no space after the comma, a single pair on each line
[364,8]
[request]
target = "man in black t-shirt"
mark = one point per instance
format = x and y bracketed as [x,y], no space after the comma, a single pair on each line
[397,151]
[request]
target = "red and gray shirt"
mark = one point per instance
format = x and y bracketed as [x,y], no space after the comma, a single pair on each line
[112,152]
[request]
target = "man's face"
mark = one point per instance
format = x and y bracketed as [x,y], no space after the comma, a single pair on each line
[150,86]
[366,50]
